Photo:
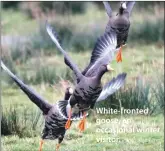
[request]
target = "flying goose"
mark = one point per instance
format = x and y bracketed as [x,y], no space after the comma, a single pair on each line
[119,23]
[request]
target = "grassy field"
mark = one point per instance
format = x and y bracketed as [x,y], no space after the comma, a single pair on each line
[39,64]
[89,140]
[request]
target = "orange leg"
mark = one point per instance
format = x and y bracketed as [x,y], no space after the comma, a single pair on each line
[41,143]
[81,125]
[57,147]
[119,55]
[68,123]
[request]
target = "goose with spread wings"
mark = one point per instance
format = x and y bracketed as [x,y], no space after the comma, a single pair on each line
[54,121]
[88,89]
[119,23]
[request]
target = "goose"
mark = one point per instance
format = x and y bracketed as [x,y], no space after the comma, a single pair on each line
[119,23]
[54,127]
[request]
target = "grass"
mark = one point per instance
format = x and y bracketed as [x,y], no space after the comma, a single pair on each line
[75,141]
[48,70]
[19,120]
[15,22]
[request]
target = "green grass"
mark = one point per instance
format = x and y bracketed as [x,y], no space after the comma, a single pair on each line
[17,23]
[134,64]
[92,22]
[74,141]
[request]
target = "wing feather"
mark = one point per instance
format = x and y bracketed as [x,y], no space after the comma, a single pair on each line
[52,33]
[108,8]
[33,96]
[130,6]
[64,107]
[112,86]
[102,53]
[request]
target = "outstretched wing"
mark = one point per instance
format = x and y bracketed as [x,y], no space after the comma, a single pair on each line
[52,33]
[64,111]
[108,8]
[33,96]
[102,54]
[112,86]
[130,5]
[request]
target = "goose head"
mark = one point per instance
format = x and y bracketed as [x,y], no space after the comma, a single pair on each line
[103,69]
[123,6]
[68,93]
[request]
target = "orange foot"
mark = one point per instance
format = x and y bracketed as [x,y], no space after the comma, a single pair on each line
[81,125]
[119,55]
[57,147]
[41,143]
[68,123]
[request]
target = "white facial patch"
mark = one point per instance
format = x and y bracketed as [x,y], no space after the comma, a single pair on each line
[124,5]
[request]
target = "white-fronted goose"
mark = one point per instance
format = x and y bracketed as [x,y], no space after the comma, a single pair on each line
[54,123]
[119,23]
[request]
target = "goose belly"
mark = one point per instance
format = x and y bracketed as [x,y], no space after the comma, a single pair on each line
[87,97]
[121,28]
[122,37]
[54,125]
